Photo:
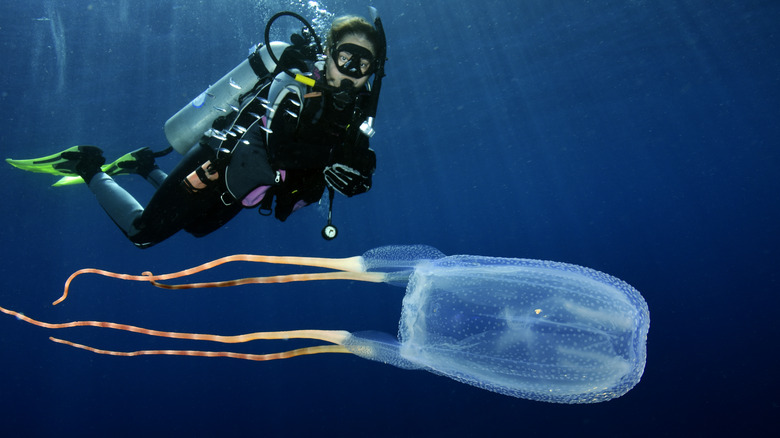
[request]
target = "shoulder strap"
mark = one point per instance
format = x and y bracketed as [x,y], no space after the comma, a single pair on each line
[282,85]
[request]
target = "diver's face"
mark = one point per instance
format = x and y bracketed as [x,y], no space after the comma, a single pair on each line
[335,77]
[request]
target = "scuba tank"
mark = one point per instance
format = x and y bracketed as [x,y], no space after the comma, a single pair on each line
[185,128]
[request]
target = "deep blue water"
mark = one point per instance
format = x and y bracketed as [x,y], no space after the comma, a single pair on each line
[639,138]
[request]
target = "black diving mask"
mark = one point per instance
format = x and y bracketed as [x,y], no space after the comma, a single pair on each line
[353,60]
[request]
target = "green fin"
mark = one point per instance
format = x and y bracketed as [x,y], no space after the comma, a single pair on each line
[121,166]
[124,165]
[47,164]
[128,163]
[68,181]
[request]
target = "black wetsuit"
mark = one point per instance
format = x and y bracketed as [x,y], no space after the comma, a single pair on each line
[173,207]
[301,146]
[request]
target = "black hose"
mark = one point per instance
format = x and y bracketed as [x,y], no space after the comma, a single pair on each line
[299,18]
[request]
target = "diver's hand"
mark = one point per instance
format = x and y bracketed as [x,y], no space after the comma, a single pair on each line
[346,180]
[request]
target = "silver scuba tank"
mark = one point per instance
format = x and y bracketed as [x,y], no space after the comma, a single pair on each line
[187,126]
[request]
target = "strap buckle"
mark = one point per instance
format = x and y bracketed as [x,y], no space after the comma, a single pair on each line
[227,199]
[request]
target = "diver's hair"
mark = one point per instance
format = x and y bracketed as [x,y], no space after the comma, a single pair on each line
[352,25]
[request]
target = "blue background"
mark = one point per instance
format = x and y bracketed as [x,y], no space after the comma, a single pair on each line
[639,138]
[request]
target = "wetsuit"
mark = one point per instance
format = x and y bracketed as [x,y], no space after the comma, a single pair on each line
[305,139]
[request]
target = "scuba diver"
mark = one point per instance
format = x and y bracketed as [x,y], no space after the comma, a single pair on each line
[287,123]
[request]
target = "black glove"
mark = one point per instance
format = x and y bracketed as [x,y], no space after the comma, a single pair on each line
[346,180]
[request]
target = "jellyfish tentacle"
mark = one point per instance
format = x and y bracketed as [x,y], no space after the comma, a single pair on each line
[246,356]
[332,336]
[349,264]
[375,277]
[336,337]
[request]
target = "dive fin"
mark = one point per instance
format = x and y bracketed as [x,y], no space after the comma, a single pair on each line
[128,163]
[55,164]
[68,181]
[121,166]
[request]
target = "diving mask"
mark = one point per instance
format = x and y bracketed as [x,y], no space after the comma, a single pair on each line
[353,60]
